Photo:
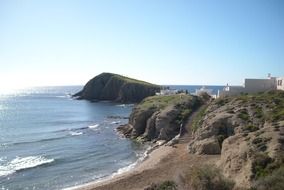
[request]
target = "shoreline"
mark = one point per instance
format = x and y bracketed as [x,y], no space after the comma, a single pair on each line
[161,164]
[141,164]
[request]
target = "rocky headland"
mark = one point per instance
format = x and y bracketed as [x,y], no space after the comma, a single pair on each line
[245,132]
[118,88]
[229,143]
[160,117]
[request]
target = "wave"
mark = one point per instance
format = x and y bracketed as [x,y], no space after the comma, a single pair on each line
[36,141]
[64,96]
[74,133]
[66,134]
[125,105]
[94,126]
[141,158]
[21,163]
[115,122]
[124,169]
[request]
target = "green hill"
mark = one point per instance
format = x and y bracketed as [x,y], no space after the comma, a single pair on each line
[114,87]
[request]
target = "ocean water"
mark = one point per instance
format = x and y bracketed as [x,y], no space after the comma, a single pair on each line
[50,141]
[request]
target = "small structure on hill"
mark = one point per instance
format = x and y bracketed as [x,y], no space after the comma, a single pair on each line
[255,86]
[167,92]
[203,89]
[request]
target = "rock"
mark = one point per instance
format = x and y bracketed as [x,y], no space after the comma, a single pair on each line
[206,146]
[150,131]
[235,161]
[113,87]
[246,131]
[160,117]
[126,130]
[117,117]
[174,141]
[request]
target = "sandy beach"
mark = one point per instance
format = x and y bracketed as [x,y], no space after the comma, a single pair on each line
[164,163]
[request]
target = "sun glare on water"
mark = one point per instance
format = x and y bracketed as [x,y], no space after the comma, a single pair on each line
[11,88]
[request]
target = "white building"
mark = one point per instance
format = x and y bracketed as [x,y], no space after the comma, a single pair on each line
[203,89]
[280,83]
[167,92]
[254,86]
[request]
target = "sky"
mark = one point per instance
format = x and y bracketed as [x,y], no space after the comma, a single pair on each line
[186,42]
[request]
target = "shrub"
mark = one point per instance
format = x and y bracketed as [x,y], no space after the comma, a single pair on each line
[275,181]
[259,112]
[197,121]
[257,140]
[220,102]
[208,177]
[251,128]
[260,165]
[166,185]
[183,115]
[243,115]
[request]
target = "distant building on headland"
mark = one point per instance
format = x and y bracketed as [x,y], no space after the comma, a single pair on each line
[203,89]
[198,91]
[254,86]
[167,92]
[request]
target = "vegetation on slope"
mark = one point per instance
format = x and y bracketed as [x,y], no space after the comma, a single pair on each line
[160,117]
[248,131]
[114,87]
[131,80]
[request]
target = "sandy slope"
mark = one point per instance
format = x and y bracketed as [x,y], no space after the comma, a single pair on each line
[164,163]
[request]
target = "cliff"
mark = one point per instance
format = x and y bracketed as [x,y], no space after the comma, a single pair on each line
[160,117]
[114,87]
[247,131]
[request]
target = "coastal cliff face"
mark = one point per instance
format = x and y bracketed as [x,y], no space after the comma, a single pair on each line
[113,87]
[245,133]
[160,117]
[248,132]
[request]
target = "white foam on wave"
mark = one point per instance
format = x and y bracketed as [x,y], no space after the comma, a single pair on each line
[20,163]
[64,96]
[141,158]
[74,133]
[94,126]
[125,105]
[121,105]
[115,122]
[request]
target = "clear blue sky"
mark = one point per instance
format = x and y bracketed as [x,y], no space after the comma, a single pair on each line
[56,42]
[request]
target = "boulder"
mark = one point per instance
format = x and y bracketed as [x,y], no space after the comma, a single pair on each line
[209,146]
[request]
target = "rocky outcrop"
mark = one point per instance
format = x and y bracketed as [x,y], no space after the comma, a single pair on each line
[113,87]
[159,117]
[247,131]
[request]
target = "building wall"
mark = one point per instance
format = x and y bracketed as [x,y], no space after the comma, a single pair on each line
[260,85]
[254,86]
[280,83]
[232,90]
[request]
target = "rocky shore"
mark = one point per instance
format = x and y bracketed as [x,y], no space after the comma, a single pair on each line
[229,143]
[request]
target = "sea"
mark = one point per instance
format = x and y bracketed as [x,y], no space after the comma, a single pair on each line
[50,141]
